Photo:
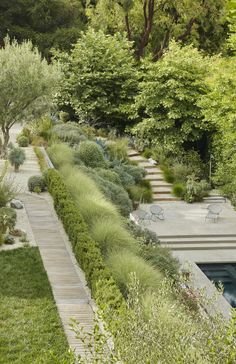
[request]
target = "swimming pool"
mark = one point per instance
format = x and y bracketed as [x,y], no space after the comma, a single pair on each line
[224,273]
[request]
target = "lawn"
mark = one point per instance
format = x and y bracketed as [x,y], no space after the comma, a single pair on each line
[30,328]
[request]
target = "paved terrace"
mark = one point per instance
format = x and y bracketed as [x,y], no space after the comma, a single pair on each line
[194,240]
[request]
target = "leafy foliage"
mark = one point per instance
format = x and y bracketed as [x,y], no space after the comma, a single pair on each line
[36,182]
[168,98]
[87,252]
[23,141]
[91,154]
[54,23]
[16,157]
[100,79]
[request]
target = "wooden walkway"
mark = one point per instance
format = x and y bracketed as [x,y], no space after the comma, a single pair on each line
[72,297]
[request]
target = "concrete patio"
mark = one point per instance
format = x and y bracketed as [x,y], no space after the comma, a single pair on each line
[194,240]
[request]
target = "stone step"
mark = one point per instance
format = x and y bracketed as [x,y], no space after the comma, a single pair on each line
[200,236]
[214,199]
[153,170]
[197,240]
[154,177]
[202,246]
[132,152]
[159,184]
[145,164]
[137,158]
[165,197]
[161,189]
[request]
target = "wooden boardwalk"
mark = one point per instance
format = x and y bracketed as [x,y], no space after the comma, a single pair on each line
[68,285]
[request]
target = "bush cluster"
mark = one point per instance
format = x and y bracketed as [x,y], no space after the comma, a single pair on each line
[23,141]
[87,252]
[7,219]
[91,154]
[36,183]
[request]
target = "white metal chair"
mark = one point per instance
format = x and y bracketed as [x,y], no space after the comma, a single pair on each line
[157,212]
[213,213]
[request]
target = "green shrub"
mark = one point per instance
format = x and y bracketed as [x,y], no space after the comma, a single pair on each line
[60,154]
[36,181]
[23,141]
[16,158]
[138,173]
[161,258]
[112,236]
[109,175]
[195,191]
[168,174]
[42,127]
[7,219]
[42,162]
[8,189]
[115,193]
[147,153]
[179,190]
[118,149]
[123,263]
[70,133]
[140,193]
[181,172]
[145,236]
[126,178]
[87,252]
[91,154]
[87,195]
[9,240]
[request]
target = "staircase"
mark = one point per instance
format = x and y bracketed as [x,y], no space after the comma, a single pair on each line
[199,242]
[160,188]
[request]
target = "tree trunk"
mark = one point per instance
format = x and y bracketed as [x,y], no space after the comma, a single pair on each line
[16,167]
[4,143]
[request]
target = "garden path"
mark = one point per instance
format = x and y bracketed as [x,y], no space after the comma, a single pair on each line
[162,191]
[67,280]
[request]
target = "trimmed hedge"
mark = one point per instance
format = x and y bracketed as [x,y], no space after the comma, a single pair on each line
[103,287]
[42,163]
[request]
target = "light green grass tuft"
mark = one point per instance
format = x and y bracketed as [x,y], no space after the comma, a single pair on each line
[112,236]
[123,263]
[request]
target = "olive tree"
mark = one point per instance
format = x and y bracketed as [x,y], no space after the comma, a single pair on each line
[27,85]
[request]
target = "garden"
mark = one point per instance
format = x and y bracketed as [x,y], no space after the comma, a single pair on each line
[153,77]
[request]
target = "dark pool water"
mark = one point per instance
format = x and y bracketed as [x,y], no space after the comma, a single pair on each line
[224,274]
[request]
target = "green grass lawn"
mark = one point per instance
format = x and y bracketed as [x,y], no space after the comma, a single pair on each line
[30,328]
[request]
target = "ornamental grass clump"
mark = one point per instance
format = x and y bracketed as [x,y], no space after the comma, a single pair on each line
[125,262]
[16,158]
[60,154]
[112,236]
[86,194]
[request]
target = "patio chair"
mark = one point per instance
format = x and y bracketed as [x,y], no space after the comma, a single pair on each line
[213,213]
[157,212]
[143,216]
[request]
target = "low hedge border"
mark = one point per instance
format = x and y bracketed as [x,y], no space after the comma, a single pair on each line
[42,163]
[103,287]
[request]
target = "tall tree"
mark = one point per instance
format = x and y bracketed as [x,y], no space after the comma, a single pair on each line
[27,84]
[168,98]
[100,79]
[47,23]
[151,24]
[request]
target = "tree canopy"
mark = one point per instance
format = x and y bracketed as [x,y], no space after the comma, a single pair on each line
[47,23]
[100,79]
[27,84]
[152,24]
[168,99]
